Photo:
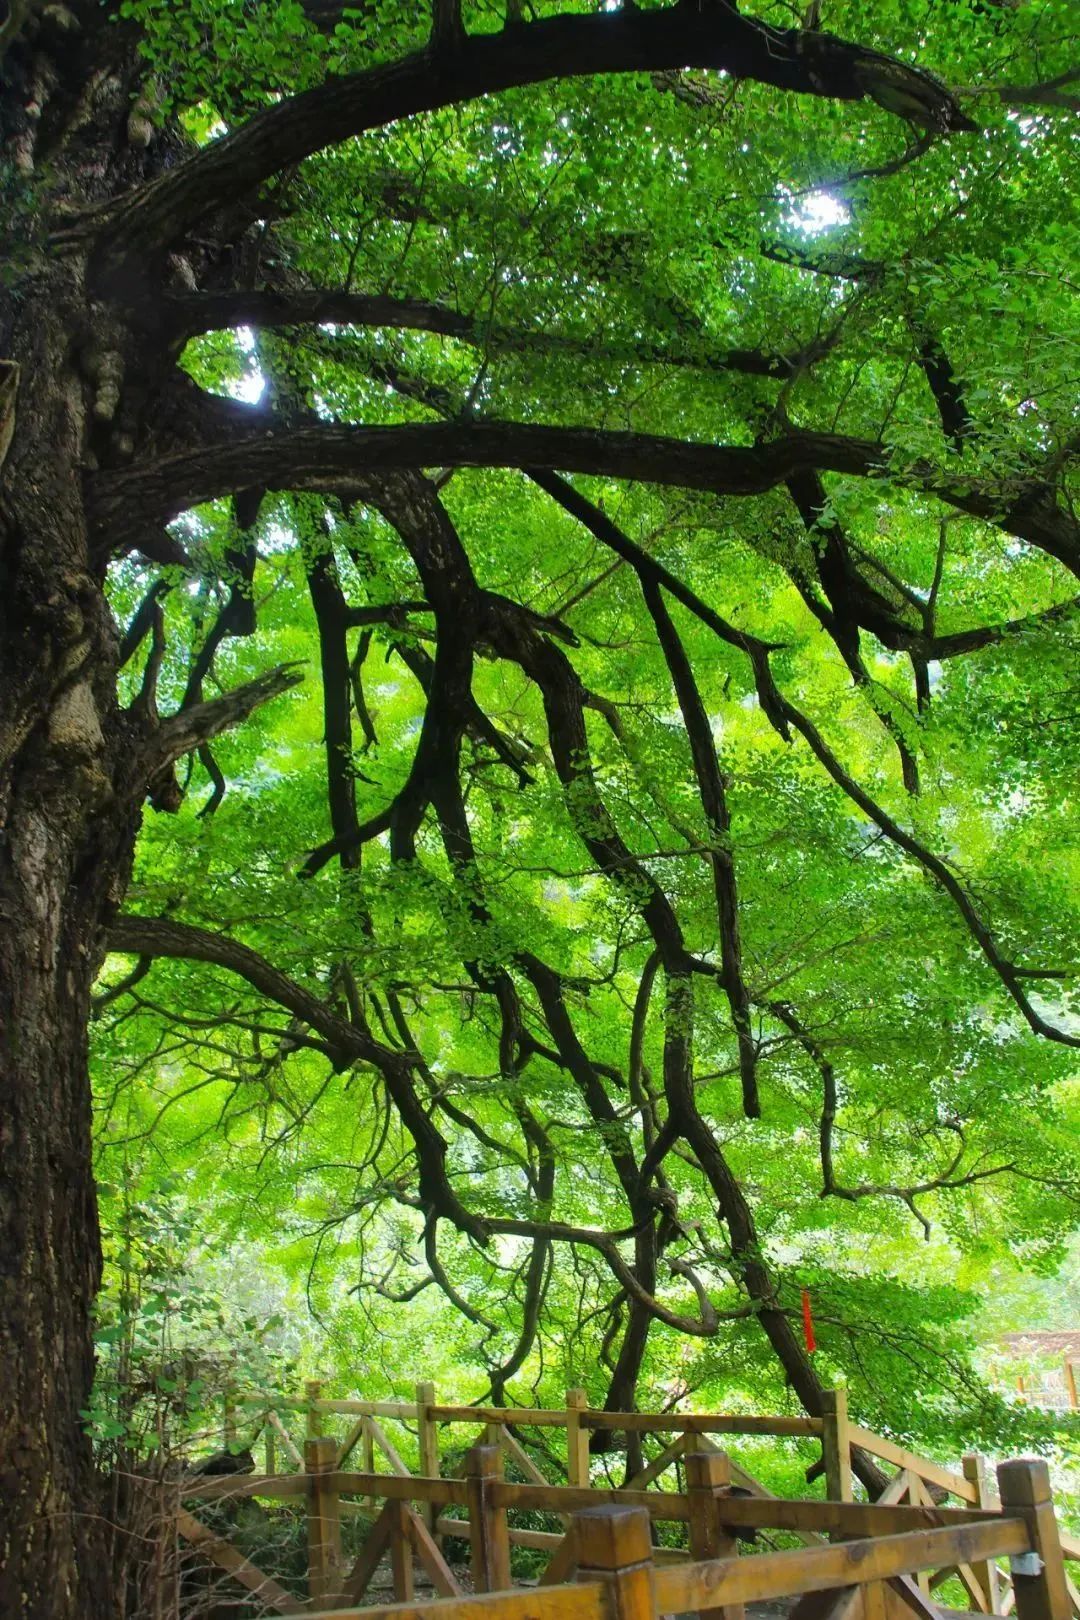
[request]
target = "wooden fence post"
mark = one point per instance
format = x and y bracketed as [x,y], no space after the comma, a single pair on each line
[577,1439]
[270,1443]
[708,1480]
[401,1552]
[324,1519]
[614,1547]
[836,1445]
[312,1391]
[489,1539]
[1041,1593]
[367,1448]
[1069,1370]
[427,1431]
[974,1467]
[875,1600]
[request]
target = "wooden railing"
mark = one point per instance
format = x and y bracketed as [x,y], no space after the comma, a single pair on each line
[918,1480]
[380,1431]
[880,1562]
[425,1417]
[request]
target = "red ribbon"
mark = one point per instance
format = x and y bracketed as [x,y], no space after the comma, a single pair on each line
[808,1323]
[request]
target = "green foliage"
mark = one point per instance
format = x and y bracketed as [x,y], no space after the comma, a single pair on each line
[612,240]
[173,1340]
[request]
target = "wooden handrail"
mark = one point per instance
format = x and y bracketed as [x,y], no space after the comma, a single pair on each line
[988,1587]
[546,1417]
[593,1418]
[620,1576]
[546,1540]
[390,1487]
[844,1518]
[838,1434]
[724,1582]
[520,1416]
[320,1403]
[889,1451]
[701,1423]
[752,1513]
[584,1602]
[667,1505]
[820,1569]
[390,1409]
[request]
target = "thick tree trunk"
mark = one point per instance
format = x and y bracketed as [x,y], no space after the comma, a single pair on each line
[64,841]
[65,846]
[74,772]
[50,1256]
[68,815]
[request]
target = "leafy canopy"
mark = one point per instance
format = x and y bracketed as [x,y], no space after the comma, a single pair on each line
[680,777]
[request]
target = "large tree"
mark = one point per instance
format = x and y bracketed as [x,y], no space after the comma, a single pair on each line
[572,246]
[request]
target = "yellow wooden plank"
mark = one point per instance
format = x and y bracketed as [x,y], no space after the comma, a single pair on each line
[355,1433]
[426,1549]
[850,1563]
[384,1409]
[740,1476]
[563,1562]
[286,1439]
[973,1587]
[878,1446]
[906,1600]
[569,1498]
[369,1557]
[701,1423]
[531,1417]
[843,1518]
[968,1580]
[513,1448]
[399,1488]
[654,1469]
[221,1552]
[387,1447]
[875,1600]
[895,1491]
[585,1602]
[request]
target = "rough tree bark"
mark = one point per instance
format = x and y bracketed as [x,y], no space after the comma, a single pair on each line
[74,770]
[67,829]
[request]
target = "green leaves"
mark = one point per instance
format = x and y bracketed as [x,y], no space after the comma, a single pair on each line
[725,264]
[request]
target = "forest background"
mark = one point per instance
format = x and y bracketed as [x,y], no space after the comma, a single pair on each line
[223,1132]
[586,500]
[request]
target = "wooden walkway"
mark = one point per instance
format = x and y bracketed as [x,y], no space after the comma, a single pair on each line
[886,1560]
